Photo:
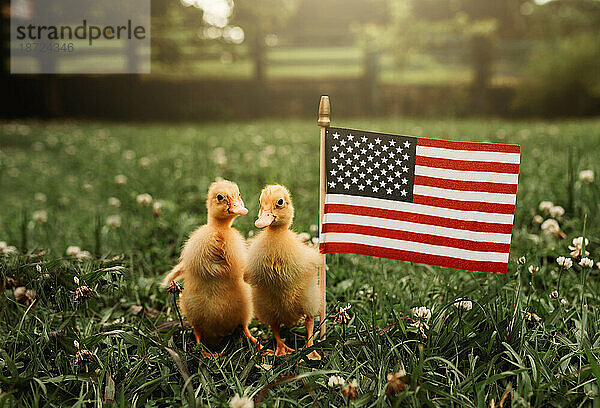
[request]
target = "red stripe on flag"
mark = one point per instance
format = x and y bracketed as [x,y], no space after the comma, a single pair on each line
[468,165]
[437,260]
[466,185]
[472,146]
[464,205]
[477,226]
[418,237]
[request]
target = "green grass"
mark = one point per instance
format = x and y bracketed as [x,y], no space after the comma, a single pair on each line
[141,357]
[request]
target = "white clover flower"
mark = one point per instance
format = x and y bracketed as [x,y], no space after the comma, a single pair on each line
[71,150]
[566,263]
[336,382]
[538,219]
[545,206]
[463,304]
[87,187]
[314,229]
[353,383]
[422,313]
[6,249]
[522,260]
[144,199]
[114,202]
[51,140]
[587,176]
[577,247]
[10,249]
[345,308]
[19,293]
[81,255]
[533,269]
[314,241]
[40,216]
[269,150]
[113,221]
[241,402]
[145,162]
[554,294]
[128,154]
[557,211]
[157,208]
[219,156]
[121,179]
[40,197]
[73,250]
[586,262]
[550,227]
[564,302]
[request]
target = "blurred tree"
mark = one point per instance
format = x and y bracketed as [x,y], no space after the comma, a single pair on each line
[507,13]
[562,78]
[560,18]
[259,18]
[332,22]
[407,33]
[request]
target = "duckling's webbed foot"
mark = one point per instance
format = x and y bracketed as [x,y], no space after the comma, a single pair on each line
[205,354]
[198,335]
[309,323]
[252,339]
[209,355]
[282,349]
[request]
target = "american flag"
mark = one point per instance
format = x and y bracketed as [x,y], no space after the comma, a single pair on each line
[429,201]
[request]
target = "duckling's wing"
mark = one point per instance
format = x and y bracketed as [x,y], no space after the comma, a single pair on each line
[176,272]
[216,254]
[312,256]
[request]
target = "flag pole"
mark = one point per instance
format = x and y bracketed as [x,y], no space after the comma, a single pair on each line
[323,121]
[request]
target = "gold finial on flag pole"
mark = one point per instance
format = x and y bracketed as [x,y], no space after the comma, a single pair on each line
[323,121]
[324,111]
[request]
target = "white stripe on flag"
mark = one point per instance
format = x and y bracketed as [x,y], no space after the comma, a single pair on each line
[441,153]
[414,247]
[466,175]
[418,208]
[333,218]
[465,195]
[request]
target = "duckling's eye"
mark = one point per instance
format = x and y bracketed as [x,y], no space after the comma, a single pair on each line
[280,202]
[220,197]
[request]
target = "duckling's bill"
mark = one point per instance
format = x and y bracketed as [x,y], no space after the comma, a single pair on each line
[265,218]
[237,208]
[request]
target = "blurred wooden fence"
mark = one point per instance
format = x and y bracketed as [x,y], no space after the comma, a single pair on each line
[453,79]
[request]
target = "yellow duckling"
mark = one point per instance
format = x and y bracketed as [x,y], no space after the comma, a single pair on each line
[282,270]
[215,298]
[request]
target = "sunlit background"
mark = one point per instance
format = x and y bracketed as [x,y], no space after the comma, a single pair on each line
[227,59]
